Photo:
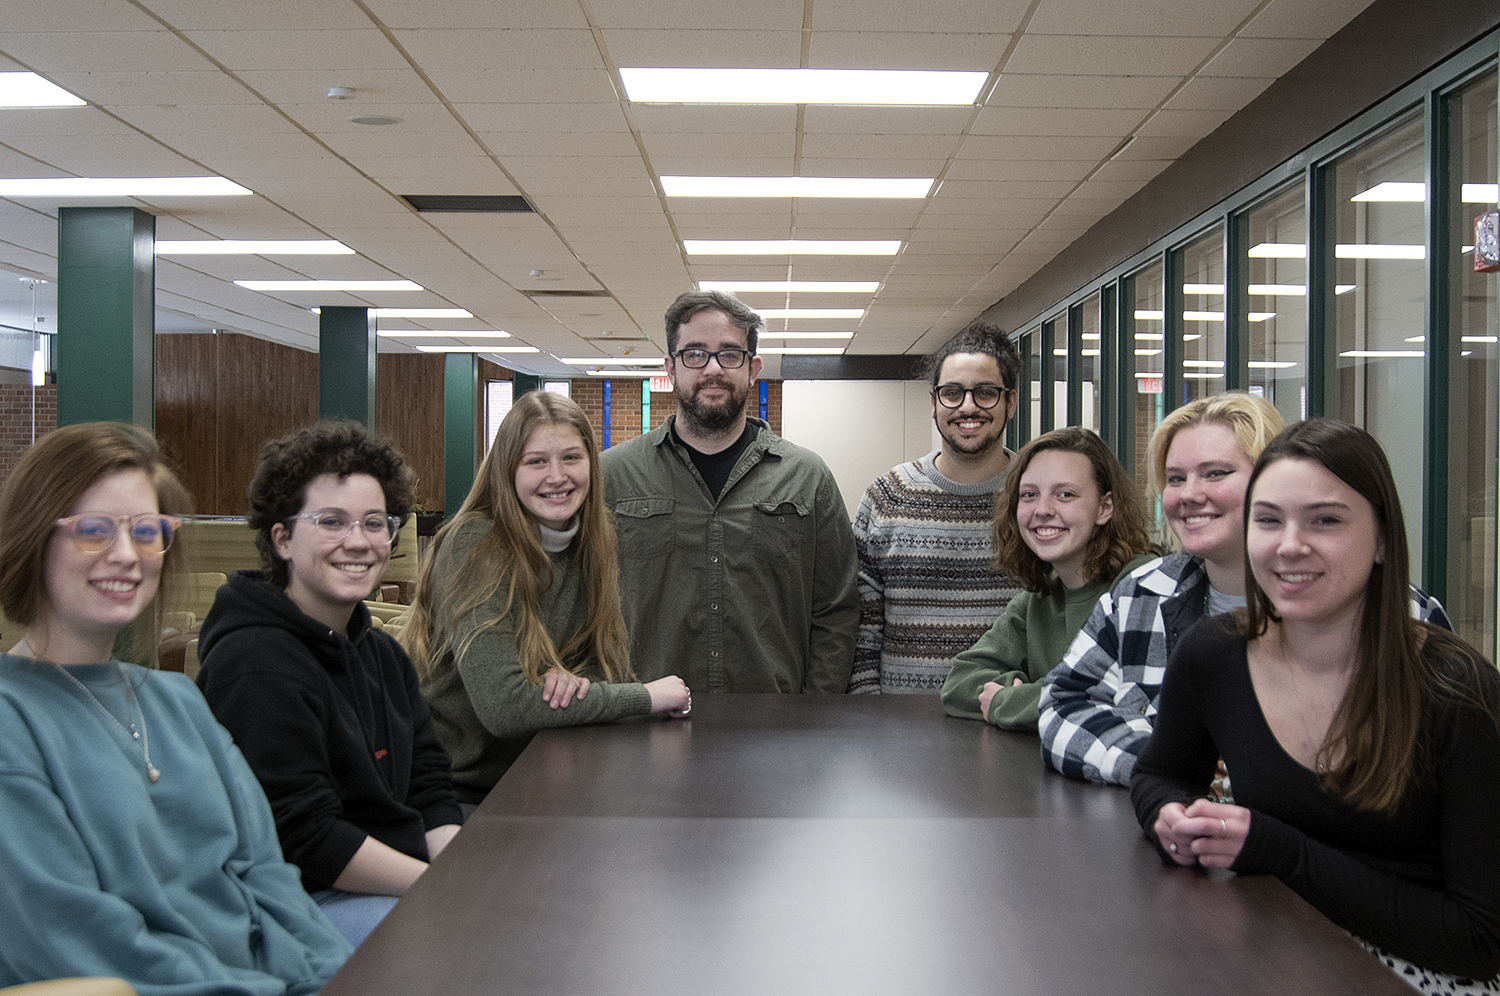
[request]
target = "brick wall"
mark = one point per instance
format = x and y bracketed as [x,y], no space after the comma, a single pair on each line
[15,420]
[625,407]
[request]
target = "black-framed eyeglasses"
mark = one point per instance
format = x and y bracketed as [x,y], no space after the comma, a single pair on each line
[151,532]
[335,525]
[697,359]
[984,395]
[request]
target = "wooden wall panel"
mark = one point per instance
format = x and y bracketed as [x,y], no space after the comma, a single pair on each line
[265,390]
[409,409]
[186,412]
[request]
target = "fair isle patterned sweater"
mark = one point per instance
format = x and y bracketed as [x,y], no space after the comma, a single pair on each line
[927,587]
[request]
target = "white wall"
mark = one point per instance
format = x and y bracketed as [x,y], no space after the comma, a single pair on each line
[861,428]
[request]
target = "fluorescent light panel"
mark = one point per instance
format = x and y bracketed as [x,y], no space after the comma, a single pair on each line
[802,350]
[1271,364]
[1394,191]
[329,285]
[829,313]
[478,349]
[449,334]
[154,187]
[1384,354]
[800,86]
[807,335]
[252,247]
[791,286]
[30,90]
[1481,193]
[788,247]
[642,374]
[795,186]
[625,361]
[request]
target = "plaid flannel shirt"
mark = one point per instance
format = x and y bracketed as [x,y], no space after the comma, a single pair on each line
[1098,705]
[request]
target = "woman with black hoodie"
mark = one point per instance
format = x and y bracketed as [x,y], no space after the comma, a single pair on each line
[324,707]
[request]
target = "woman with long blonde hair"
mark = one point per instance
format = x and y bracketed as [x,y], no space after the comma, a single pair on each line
[517,624]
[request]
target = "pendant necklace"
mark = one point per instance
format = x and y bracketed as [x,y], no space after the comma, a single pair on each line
[139,735]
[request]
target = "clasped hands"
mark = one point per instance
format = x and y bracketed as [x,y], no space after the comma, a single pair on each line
[669,695]
[1204,833]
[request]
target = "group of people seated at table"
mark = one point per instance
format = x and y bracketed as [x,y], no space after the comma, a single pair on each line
[244,834]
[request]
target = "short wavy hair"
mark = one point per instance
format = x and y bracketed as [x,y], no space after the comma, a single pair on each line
[1253,420]
[286,466]
[740,315]
[1112,545]
[985,338]
[52,475]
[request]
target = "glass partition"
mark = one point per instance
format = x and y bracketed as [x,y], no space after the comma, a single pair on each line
[1275,268]
[1145,290]
[1086,363]
[1201,264]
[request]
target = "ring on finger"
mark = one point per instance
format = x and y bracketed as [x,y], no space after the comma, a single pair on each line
[1224,825]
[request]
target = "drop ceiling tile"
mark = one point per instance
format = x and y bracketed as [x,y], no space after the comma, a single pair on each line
[1078,91]
[1161,147]
[469,49]
[299,49]
[921,50]
[573,143]
[822,118]
[50,16]
[544,118]
[55,52]
[194,15]
[993,197]
[1108,55]
[1056,121]
[843,145]
[965,172]
[574,168]
[373,88]
[1085,148]
[205,85]
[1292,19]
[686,47]
[21,122]
[522,86]
[396,140]
[472,174]
[1001,16]
[168,121]
[928,165]
[744,165]
[1192,124]
[776,15]
[1217,93]
[700,118]
[1165,18]
[718,144]
[467,14]
[1264,57]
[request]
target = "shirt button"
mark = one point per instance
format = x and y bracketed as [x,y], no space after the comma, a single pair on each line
[713,560]
[713,653]
[781,518]
[713,606]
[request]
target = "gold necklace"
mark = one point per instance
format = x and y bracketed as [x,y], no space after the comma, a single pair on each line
[140,735]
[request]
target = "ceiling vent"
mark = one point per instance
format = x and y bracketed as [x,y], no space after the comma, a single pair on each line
[469,203]
[565,293]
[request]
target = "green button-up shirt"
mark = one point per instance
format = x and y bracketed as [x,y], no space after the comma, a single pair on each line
[752,592]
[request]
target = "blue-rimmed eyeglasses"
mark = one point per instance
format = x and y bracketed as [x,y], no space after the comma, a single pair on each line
[335,525]
[696,359]
[92,532]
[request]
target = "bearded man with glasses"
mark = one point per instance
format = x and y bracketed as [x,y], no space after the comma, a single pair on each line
[736,554]
[927,587]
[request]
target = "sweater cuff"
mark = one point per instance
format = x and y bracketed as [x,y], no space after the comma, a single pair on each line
[1270,848]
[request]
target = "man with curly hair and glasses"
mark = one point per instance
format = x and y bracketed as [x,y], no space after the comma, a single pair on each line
[325,707]
[736,554]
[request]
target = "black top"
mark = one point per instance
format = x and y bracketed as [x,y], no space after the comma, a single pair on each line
[332,724]
[1423,884]
[715,468]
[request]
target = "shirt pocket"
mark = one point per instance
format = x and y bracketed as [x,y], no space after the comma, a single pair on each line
[781,531]
[646,527]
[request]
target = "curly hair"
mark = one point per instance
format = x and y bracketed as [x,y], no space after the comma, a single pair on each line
[985,338]
[286,466]
[1110,547]
[510,557]
[52,475]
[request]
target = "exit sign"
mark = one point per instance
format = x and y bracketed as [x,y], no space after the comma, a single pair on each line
[661,385]
[1148,385]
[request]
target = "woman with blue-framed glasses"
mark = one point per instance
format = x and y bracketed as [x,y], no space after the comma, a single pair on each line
[135,842]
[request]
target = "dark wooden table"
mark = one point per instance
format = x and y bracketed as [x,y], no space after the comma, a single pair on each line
[860,845]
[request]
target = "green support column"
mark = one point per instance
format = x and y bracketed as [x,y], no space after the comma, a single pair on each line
[460,408]
[106,316]
[346,364]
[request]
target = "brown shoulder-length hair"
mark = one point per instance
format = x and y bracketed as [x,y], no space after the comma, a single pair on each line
[1112,545]
[1371,750]
[510,556]
[50,478]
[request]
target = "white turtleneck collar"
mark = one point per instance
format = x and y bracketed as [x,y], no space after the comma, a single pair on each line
[556,541]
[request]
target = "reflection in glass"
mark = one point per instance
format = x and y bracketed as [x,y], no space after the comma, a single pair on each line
[1033,357]
[1380,301]
[1201,264]
[1144,289]
[1276,270]
[1473,400]
[1086,363]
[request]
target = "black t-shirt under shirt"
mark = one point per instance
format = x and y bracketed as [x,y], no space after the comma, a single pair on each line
[715,468]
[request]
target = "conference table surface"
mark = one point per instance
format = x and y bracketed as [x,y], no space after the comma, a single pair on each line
[829,844]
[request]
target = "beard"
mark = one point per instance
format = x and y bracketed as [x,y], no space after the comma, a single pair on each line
[711,419]
[977,446]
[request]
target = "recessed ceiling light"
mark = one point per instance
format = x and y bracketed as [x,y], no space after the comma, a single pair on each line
[788,247]
[328,285]
[801,86]
[413,312]
[1271,364]
[791,286]
[478,349]
[1278,290]
[1384,354]
[626,361]
[374,119]
[30,90]
[1278,250]
[807,335]
[252,247]
[124,186]
[803,350]
[1481,193]
[793,186]
[1380,252]
[829,313]
[450,334]
[643,374]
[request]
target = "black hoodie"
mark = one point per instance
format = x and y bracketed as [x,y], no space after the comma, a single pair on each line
[332,724]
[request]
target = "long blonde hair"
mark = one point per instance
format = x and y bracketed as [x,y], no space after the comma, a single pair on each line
[510,555]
